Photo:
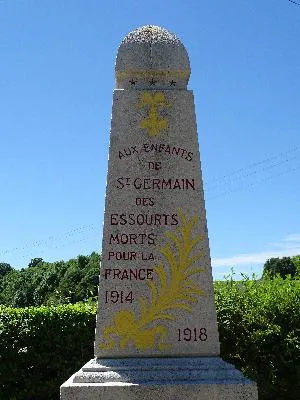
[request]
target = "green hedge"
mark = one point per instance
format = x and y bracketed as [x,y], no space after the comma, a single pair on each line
[259,324]
[42,347]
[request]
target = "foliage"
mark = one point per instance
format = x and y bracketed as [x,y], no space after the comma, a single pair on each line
[283,266]
[34,262]
[63,282]
[44,283]
[259,325]
[296,261]
[42,347]
[4,269]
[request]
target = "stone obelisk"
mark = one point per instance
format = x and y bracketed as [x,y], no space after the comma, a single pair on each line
[156,331]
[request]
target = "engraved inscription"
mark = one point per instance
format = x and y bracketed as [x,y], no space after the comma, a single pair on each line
[194,334]
[174,290]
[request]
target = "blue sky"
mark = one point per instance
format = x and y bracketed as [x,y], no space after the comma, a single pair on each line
[56,83]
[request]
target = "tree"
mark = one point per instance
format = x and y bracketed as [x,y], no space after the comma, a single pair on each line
[296,261]
[82,261]
[13,291]
[4,269]
[50,283]
[34,262]
[283,266]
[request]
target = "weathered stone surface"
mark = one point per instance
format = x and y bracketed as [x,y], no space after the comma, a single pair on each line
[207,378]
[156,331]
[155,224]
[181,319]
[160,370]
[150,53]
[165,392]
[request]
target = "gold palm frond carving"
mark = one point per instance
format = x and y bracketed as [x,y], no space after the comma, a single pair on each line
[175,289]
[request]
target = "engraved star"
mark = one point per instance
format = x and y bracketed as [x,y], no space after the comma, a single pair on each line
[152,82]
[133,82]
[172,83]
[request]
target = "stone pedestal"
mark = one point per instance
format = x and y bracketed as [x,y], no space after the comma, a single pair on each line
[156,331]
[193,378]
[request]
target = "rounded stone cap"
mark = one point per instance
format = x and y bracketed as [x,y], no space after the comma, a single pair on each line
[151,57]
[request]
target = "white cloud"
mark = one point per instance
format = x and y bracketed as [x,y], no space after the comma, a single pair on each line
[295,237]
[290,246]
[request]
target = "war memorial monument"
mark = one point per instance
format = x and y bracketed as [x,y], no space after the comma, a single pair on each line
[156,330]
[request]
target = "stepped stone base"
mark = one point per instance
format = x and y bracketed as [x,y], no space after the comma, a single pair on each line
[192,378]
